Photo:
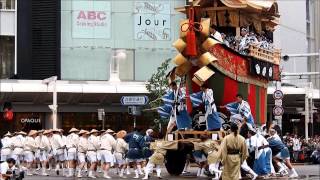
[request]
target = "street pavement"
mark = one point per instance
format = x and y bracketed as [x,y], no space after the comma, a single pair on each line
[306,172]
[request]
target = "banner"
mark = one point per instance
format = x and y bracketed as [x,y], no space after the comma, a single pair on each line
[152,20]
[91,19]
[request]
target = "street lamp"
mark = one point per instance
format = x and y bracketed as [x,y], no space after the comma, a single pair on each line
[54,105]
[120,54]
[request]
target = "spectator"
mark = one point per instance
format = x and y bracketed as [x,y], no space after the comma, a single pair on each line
[215,34]
[7,168]
[296,148]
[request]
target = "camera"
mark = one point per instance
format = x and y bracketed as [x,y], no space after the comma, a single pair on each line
[16,175]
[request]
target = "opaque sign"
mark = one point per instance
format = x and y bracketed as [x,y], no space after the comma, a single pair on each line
[152,20]
[91,19]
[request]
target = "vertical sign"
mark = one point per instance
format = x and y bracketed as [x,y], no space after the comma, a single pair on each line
[91,19]
[152,20]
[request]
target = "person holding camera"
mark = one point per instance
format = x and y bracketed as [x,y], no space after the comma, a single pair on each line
[7,169]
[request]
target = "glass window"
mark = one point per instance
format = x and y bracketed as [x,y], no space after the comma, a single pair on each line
[7,4]
[6,56]
[126,71]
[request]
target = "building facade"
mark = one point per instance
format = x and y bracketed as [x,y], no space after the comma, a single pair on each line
[80,41]
[7,38]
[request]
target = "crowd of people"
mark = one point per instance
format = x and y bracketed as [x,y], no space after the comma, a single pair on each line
[302,150]
[78,153]
[241,43]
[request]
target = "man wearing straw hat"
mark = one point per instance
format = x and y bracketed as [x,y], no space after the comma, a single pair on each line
[120,151]
[17,143]
[65,154]
[30,146]
[82,150]
[43,147]
[108,144]
[57,149]
[93,146]
[6,146]
[72,144]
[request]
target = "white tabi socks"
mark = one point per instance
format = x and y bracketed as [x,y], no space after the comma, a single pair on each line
[136,173]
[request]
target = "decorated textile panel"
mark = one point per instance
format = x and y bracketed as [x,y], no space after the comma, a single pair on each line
[225,90]
[242,69]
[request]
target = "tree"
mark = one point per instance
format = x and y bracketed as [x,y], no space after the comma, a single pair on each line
[157,86]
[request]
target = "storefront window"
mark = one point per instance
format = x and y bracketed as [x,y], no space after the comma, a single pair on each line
[6,56]
[7,4]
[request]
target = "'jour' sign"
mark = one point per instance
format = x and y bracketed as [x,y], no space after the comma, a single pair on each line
[152,21]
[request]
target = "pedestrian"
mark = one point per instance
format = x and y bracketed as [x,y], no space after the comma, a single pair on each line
[120,152]
[82,150]
[107,145]
[30,146]
[44,148]
[232,153]
[71,145]
[93,146]
[6,146]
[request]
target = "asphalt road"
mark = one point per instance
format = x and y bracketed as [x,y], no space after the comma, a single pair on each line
[306,172]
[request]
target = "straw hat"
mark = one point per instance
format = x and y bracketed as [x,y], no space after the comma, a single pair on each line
[94,131]
[41,131]
[73,130]
[8,134]
[110,131]
[32,132]
[102,131]
[83,132]
[121,134]
[55,130]
[47,132]
[21,132]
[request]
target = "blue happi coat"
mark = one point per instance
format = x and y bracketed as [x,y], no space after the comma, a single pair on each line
[212,117]
[175,107]
[242,109]
[136,142]
[262,158]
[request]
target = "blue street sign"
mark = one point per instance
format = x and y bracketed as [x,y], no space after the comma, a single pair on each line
[134,100]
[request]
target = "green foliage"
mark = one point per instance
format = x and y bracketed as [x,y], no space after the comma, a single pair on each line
[157,84]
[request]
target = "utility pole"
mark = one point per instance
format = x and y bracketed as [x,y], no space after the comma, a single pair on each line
[54,107]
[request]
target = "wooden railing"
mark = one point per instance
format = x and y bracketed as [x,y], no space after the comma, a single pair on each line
[272,56]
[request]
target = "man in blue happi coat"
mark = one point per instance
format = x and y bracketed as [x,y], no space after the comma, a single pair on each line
[136,142]
[280,153]
[175,108]
[240,111]
[260,152]
[205,96]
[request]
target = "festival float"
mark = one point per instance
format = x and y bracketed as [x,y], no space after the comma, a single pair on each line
[203,59]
